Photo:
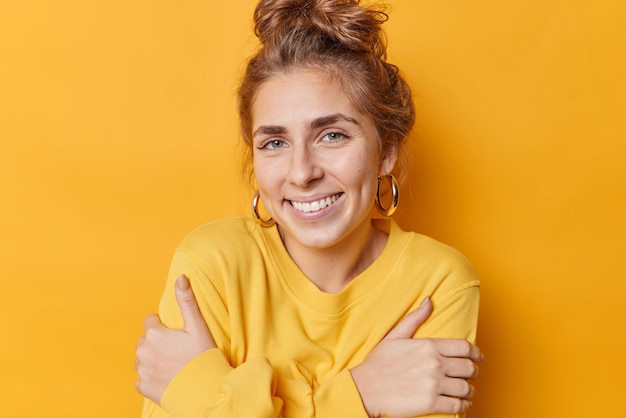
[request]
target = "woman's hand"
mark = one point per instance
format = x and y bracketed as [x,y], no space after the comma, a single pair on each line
[406,377]
[163,351]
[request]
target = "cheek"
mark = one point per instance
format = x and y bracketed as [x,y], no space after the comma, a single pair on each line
[362,170]
[266,173]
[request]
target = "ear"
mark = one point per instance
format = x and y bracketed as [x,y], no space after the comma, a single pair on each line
[388,159]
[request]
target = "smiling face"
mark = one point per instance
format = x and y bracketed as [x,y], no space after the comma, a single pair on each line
[316,160]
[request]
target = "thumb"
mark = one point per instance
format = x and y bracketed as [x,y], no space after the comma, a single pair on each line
[407,327]
[192,318]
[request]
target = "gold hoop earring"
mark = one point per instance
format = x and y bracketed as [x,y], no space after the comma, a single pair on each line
[394,196]
[255,211]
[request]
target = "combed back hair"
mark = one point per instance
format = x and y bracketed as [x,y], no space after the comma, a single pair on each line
[341,37]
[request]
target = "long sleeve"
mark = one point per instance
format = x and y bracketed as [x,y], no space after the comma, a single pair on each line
[247,391]
[284,348]
[455,315]
[209,386]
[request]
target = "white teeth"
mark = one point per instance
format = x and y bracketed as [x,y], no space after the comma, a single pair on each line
[314,206]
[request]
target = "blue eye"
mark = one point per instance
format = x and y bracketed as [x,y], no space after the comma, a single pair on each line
[274,144]
[334,136]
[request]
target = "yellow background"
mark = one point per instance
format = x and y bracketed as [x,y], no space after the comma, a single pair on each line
[118,136]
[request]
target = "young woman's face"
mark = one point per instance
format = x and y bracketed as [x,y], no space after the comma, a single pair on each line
[316,159]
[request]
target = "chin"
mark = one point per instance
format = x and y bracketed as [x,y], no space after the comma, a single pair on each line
[317,238]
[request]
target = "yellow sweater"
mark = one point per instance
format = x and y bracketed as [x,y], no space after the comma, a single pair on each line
[284,346]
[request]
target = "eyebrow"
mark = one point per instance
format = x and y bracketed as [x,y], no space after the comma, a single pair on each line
[269,130]
[330,119]
[315,123]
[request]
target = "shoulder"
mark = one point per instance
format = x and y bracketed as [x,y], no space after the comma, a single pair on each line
[422,250]
[224,246]
[223,235]
[437,266]
[221,254]
[435,252]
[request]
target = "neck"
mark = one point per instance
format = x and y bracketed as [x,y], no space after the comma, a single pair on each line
[331,269]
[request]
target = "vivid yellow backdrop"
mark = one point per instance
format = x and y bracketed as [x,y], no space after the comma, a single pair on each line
[118,136]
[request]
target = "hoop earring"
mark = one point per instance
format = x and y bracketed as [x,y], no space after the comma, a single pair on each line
[255,211]
[394,196]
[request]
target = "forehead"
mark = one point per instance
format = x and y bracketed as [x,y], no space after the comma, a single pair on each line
[300,94]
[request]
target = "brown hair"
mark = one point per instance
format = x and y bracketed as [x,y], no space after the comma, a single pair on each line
[338,36]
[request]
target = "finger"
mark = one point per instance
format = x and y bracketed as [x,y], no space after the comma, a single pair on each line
[407,327]
[457,388]
[476,373]
[451,405]
[459,348]
[192,318]
[461,367]
[151,321]
[140,342]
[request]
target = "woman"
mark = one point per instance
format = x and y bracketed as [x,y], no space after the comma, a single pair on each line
[320,310]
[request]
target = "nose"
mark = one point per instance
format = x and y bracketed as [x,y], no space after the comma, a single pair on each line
[304,166]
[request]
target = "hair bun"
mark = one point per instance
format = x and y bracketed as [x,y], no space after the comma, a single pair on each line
[341,22]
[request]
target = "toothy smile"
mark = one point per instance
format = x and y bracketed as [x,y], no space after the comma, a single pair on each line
[315,205]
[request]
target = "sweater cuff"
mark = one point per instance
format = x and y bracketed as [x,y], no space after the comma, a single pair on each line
[339,397]
[196,386]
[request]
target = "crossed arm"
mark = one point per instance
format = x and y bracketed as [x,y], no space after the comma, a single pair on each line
[402,376]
